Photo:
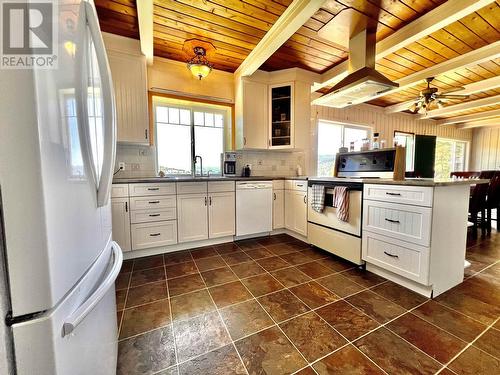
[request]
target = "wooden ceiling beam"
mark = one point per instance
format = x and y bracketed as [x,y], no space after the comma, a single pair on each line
[474,57]
[473,104]
[432,21]
[479,124]
[469,118]
[292,19]
[145,19]
[469,89]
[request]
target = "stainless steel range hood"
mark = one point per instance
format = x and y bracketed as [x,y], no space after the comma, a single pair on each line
[363,81]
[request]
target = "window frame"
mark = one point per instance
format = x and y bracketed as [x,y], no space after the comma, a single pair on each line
[343,126]
[453,150]
[194,107]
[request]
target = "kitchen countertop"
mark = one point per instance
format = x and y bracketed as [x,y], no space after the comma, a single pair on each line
[407,182]
[134,180]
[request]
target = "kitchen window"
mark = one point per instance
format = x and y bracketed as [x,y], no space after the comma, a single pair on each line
[185,130]
[450,157]
[332,136]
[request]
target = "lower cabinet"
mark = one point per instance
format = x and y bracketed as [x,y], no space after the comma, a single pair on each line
[221,214]
[296,211]
[192,217]
[161,233]
[278,209]
[120,217]
[202,216]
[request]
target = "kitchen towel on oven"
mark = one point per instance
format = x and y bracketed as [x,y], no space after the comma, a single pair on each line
[341,202]
[318,198]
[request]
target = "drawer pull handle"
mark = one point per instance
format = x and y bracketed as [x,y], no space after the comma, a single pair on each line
[153,189]
[392,221]
[153,202]
[300,185]
[154,215]
[390,255]
[154,234]
[394,194]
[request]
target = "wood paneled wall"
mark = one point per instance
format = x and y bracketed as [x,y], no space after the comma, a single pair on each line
[485,151]
[385,124]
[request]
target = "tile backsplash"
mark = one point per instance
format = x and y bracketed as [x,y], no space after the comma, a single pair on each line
[270,163]
[140,162]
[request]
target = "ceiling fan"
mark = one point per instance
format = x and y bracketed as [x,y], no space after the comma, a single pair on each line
[430,98]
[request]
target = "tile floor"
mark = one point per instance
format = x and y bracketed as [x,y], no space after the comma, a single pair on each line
[275,305]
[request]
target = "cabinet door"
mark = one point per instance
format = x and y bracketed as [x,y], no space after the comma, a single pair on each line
[278,209]
[281,116]
[192,217]
[254,115]
[289,209]
[300,212]
[131,97]
[221,214]
[120,217]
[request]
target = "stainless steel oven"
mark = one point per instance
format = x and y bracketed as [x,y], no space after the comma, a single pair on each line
[326,231]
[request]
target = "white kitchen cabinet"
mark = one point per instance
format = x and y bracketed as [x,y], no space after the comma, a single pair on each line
[296,206]
[161,233]
[192,217]
[251,115]
[120,217]
[221,214]
[278,209]
[131,97]
[300,212]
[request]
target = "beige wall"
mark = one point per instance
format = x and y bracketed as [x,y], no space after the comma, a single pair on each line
[173,77]
[382,122]
[485,151]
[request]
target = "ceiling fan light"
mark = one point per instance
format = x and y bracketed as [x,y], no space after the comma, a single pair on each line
[439,104]
[413,108]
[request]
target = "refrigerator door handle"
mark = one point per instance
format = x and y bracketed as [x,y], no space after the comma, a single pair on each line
[109,136]
[72,321]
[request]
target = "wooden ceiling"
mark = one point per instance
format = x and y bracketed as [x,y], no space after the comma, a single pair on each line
[235,27]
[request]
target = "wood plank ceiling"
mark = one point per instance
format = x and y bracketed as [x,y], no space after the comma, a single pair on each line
[235,27]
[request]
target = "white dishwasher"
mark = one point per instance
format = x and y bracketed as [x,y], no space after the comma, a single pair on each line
[254,207]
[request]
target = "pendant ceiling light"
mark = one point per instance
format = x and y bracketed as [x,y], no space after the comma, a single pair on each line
[199,65]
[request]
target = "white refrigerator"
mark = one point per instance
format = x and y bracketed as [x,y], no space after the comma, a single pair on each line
[57,151]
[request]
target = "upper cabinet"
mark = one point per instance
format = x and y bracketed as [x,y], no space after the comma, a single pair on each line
[281,117]
[272,113]
[131,96]
[251,114]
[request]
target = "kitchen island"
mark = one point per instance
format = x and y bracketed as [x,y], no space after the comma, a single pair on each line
[414,231]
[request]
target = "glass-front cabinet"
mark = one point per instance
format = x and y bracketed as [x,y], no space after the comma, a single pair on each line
[281,111]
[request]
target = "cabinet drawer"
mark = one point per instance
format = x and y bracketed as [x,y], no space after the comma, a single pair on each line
[416,195]
[298,185]
[404,222]
[278,184]
[153,202]
[119,191]
[402,258]
[154,234]
[220,186]
[163,188]
[191,187]
[145,216]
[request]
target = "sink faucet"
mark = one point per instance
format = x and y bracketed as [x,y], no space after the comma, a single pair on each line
[201,165]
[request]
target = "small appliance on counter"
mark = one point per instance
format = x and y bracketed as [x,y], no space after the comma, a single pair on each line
[229,163]
[382,163]
[247,171]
